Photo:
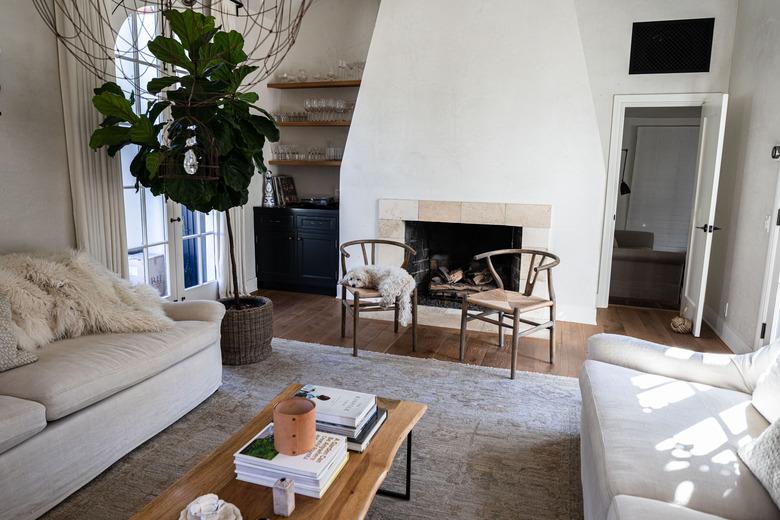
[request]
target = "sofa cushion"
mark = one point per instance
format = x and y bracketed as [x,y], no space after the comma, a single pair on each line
[19,420]
[673,441]
[637,508]
[75,373]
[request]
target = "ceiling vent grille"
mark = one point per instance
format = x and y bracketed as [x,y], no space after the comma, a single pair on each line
[671,46]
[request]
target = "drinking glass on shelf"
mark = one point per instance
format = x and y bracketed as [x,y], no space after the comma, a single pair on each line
[341,108]
[331,75]
[342,69]
[302,75]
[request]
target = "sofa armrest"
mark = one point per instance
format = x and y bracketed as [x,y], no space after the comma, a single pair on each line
[721,370]
[195,310]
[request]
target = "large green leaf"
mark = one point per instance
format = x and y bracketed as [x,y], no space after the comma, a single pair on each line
[114,105]
[110,86]
[157,84]
[153,161]
[192,28]
[170,51]
[231,46]
[209,57]
[109,136]
[142,132]
[265,126]
[248,97]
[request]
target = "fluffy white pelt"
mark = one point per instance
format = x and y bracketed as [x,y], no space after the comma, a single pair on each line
[69,294]
[391,282]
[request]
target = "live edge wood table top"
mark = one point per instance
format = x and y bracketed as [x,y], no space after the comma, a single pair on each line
[349,497]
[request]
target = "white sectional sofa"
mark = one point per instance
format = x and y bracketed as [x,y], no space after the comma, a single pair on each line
[660,432]
[88,401]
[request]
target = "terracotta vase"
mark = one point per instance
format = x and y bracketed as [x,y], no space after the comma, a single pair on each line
[295,426]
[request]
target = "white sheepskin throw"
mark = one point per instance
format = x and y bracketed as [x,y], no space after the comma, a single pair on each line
[391,282]
[68,295]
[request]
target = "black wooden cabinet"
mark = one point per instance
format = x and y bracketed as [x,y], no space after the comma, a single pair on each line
[297,249]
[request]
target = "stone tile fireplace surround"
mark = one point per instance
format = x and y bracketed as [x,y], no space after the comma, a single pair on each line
[534,219]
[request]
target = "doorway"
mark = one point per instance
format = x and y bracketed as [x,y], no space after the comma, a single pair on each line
[664,166]
[654,206]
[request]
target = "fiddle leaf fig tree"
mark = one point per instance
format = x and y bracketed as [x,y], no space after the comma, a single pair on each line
[211,143]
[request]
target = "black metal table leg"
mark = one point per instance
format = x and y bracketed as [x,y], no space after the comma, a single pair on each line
[408,494]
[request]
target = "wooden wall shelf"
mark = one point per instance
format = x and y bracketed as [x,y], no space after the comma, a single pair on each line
[313,123]
[277,162]
[317,84]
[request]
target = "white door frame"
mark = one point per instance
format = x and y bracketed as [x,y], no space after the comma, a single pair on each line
[620,104]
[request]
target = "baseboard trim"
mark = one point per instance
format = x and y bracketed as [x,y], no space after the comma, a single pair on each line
[725,333]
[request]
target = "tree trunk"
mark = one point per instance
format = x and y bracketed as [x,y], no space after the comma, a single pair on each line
[233,270]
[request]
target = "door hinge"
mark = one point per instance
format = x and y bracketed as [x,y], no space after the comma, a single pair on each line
[763,330]
[777,222]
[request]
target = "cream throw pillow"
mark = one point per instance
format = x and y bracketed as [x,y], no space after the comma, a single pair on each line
[766,396]
[10,355]
[762,456]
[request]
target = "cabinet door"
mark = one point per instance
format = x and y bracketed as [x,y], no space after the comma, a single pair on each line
[275,253]
[317,259]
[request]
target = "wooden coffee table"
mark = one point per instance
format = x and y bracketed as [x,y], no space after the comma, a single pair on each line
[349,497]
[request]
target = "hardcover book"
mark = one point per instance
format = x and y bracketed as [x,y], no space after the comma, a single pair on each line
[339,407]
[260,453]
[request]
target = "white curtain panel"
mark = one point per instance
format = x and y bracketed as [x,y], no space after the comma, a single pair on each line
[95,178]
[224,278]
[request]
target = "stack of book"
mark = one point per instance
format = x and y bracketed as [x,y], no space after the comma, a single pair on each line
[343,412]
[313,472]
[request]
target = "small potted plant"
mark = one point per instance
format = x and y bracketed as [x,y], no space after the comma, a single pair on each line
[199,144]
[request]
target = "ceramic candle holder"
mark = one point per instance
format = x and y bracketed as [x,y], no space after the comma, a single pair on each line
[295,426]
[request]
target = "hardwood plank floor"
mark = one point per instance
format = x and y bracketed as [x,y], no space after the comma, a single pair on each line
[317,319]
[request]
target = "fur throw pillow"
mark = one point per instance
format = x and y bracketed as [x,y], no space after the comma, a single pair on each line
[69,295]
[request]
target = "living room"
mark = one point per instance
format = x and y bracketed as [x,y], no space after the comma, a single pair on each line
[429,242]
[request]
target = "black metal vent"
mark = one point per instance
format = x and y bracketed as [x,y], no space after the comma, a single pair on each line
[671,46]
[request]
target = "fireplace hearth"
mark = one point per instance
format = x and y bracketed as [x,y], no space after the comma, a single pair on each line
[444,266]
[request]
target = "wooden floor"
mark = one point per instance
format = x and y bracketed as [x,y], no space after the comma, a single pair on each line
[316,319]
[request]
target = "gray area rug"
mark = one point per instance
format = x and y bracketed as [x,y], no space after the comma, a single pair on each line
[487,448]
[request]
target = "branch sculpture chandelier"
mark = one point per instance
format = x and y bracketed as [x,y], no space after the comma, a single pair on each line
[93,30]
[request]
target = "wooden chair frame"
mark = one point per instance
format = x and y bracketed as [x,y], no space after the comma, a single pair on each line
[546,261]
[357,306]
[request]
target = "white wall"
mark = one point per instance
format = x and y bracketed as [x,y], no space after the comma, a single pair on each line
[605,27]
[35,203]
[486,103]
[748,177]
[331,30]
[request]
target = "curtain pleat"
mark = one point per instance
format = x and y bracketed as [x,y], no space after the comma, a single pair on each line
[95,178]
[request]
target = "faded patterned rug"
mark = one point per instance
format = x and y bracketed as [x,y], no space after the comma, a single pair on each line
[487,448]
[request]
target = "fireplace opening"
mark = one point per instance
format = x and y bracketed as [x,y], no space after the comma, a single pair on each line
[444,266]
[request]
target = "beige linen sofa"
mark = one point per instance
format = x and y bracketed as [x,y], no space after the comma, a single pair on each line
[660,432]
[88,401]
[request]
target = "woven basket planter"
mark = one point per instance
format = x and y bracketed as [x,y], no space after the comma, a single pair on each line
[247,333]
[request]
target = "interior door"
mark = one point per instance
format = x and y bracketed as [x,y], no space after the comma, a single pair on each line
[713,126]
